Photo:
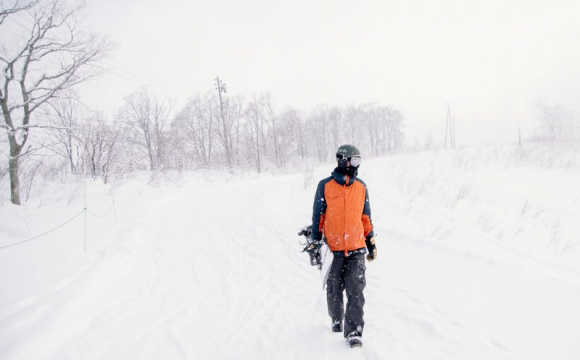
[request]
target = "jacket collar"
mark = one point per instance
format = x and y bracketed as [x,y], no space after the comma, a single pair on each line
[343,179]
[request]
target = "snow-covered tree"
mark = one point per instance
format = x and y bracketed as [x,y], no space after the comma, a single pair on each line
[146,120]
[50,53]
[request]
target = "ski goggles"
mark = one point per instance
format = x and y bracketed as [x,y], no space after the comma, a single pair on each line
[354,160]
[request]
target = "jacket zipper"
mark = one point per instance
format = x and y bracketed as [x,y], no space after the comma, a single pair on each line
[345,213]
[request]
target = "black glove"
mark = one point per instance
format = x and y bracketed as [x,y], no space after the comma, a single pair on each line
[370,242]
[312,247]
[306,231]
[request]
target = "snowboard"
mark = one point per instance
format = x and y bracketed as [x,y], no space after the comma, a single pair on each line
[320,254]
[326,257]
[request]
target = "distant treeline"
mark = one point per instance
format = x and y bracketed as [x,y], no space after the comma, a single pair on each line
[212,133]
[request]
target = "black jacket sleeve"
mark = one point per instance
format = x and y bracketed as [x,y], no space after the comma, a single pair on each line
[318,210]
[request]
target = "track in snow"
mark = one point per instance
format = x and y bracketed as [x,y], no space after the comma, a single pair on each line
[214,271]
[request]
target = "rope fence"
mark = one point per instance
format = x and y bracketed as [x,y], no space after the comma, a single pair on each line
[84,211]
[102,216]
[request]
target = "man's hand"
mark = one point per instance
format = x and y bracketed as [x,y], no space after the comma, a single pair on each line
[370,242]
[306,231]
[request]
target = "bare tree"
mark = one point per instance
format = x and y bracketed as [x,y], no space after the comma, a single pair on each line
[228,133]
[255,130]
[272,120]
[335,119]
[146,118]
[556,123]
[320,128]
[394,129]
[65,121]
[16,7]
[103,153]
[370,121]
[293,141]
[55,54]
[354,121]
[196,124]
[236,114]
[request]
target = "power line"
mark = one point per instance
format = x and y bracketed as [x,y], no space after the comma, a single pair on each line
[18,23]
[141,78]
[58,116]
[144,74]
[163,87]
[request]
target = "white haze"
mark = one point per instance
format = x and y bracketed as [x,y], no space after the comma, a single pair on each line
[492,61]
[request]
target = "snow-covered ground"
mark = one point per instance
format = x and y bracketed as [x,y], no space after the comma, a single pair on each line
[479,258]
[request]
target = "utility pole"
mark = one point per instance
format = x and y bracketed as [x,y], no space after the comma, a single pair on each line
[221,87]
[450,129]
[446,127]
[453,133]
[70,149]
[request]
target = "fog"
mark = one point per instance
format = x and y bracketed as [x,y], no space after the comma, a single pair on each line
[492,61]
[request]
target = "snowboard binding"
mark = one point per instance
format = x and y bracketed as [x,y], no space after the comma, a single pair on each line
[312,247]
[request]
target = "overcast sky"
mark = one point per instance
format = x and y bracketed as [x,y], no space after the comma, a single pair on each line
[492,61]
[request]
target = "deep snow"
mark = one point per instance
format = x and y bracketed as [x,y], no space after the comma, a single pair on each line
[478,259]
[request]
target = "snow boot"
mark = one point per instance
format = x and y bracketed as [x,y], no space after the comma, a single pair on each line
[354,339]
[336,326]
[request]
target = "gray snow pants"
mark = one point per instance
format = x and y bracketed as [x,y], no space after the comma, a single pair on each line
[347,273]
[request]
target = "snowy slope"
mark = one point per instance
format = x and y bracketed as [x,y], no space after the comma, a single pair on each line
[208,267]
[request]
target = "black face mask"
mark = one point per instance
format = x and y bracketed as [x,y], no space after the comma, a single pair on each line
[346,170]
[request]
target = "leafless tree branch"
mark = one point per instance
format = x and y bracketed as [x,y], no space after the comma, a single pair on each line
[56,55]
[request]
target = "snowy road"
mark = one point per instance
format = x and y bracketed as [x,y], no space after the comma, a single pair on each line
[212,270]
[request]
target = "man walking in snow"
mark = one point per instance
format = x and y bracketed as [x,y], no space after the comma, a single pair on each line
[342,213]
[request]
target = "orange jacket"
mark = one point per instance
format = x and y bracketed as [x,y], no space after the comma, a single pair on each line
[342,213]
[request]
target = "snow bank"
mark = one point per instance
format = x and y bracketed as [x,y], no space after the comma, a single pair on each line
[478,259]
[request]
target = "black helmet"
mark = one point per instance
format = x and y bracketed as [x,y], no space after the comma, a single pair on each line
[347,150]
[346,153]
